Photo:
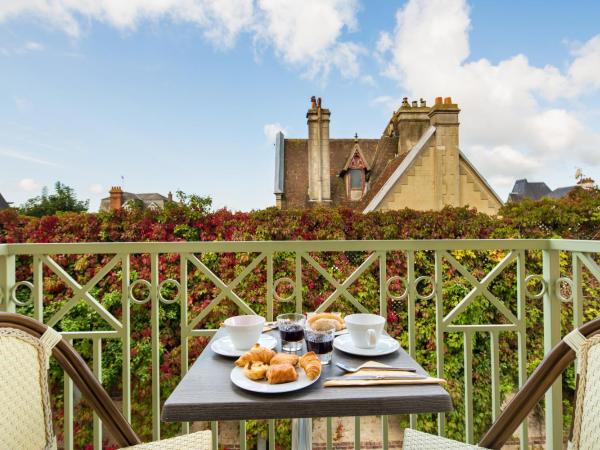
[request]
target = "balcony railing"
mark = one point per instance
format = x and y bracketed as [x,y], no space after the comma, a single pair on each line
[409,279]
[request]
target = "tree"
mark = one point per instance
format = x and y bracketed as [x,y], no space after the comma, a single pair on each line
[62,200]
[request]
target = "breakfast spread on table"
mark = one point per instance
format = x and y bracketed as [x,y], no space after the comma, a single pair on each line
[261,363]
[259,368]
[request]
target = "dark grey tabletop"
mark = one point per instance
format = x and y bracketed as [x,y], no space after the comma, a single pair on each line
[206,393]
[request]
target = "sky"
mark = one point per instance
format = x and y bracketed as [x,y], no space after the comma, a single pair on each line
[168,95]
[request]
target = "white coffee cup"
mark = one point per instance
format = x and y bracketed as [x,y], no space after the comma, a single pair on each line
[365,329]
[244,331]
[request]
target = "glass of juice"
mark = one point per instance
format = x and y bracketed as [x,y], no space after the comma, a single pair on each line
[291,331]
[321,342]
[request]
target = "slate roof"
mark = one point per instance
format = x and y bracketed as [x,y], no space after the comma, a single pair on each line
[148,199]
[378,153]
[536,190]
[3,203]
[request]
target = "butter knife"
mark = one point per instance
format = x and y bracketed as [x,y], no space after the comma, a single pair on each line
[376,377]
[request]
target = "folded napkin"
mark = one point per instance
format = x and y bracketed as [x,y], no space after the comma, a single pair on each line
[382,372]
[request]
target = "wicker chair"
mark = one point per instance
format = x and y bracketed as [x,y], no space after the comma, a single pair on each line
[583,343]
[25,349]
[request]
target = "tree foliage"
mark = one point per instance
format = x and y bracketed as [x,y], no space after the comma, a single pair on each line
[63,199]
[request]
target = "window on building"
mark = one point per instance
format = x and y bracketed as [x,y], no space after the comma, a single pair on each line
[356,179]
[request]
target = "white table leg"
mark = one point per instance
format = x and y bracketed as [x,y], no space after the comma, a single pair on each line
[301,434]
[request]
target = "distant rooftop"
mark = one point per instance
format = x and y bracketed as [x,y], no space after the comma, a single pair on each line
[3,203]
[152,200]
[524,189]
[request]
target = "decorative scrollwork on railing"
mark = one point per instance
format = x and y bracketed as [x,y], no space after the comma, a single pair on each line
[394,279]
[290,297]
[15,288]
[144,283]
[558,287]
[167,301]
[539,279]
[430,281]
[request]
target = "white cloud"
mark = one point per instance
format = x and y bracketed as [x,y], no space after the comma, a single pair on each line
[271,130]
[97,188]
[384,43]
[33,46]
[307,34]
[29,46]
[509,105]
[304,34]
[10,153]
[29,185]
[503,164]
[584,69]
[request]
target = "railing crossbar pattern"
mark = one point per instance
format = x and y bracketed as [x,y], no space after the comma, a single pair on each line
[583,257]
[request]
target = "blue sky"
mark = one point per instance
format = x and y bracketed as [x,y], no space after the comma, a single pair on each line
[185,95]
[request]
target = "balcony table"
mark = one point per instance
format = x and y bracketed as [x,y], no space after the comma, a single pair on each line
[206,394]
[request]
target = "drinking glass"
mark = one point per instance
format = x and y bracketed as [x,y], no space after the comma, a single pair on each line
[291,331]
[320,342]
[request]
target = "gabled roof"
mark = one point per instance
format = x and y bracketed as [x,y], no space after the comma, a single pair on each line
[561,192]
[525,189]
[481,177]
[536,190]
[402,166]
[355,150]
[147,198]
[3,203]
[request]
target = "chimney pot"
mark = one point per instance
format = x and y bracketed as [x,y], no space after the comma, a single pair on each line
[313,102]
[414,104]
[423,104]
[319,103]
[438,100]
[448,100]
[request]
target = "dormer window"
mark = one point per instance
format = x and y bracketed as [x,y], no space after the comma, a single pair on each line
[355,173]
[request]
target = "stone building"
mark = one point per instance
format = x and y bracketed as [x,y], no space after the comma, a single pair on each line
[120,199]
[416,163]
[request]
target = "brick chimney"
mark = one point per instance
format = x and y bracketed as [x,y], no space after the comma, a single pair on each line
[319,184]
[116,198]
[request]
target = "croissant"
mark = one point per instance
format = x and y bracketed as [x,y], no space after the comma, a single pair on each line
[255,370]
[282,358]
[340,324]
[256,353]
[281,373]
[311,364]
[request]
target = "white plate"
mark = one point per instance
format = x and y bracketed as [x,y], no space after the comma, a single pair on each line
[385,346]
[263,387]
[225,347]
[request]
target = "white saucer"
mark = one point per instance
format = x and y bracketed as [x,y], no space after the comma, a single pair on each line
[225,347]
[385,346]
[262,387]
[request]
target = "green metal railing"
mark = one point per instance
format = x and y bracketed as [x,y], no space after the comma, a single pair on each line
[583,256]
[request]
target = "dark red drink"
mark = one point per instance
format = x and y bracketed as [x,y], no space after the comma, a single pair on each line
[319,346]
[291,333]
